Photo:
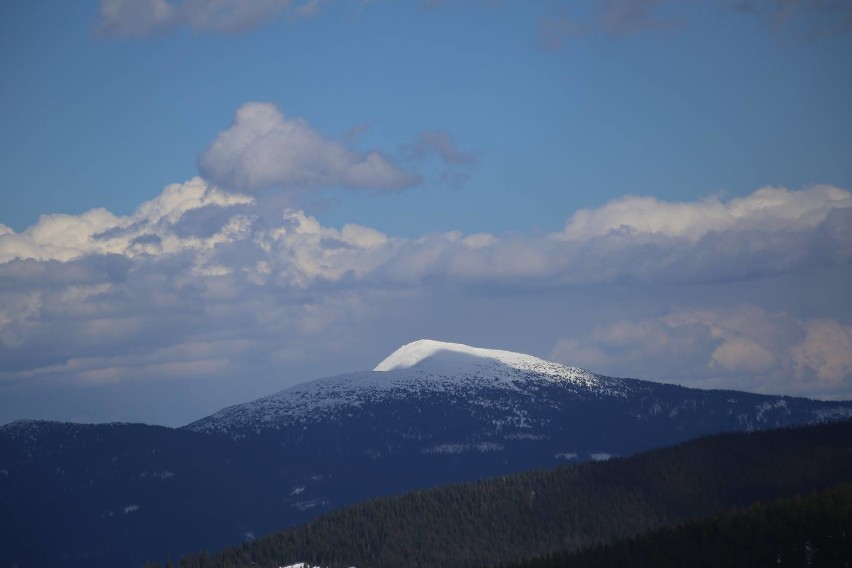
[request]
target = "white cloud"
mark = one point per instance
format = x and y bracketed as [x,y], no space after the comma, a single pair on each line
[729,347]
[774,209]
[150,230]
[826,350]
[264,149]
[136,18]
[201,282]
[772,231]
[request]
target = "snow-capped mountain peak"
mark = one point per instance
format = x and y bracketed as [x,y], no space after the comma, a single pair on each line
[417,371]
[426,354]
[438,397]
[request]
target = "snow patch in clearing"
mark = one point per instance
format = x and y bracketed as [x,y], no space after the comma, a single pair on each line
[446,449]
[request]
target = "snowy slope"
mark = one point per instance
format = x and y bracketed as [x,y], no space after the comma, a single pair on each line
[439,355]
[416,370]
[490,391]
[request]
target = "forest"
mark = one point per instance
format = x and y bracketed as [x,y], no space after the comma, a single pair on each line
[814,530]
[513,518]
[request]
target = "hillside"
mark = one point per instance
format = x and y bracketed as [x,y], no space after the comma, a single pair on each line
[814,530]
[536,513]
[432,414]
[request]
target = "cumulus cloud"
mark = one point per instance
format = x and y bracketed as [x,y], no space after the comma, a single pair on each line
[136,18]
[152,229]
[826,350]
[729,347]
[264,149]
[771,231]
[768,209]
[200,282]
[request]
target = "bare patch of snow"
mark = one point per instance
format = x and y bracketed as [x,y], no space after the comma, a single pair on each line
[567,456]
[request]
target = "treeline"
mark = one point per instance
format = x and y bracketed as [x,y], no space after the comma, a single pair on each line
[517,517]
[811,531]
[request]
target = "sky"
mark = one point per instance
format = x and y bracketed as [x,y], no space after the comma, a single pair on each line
[206,201]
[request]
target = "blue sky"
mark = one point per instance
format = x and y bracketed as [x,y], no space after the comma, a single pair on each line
[483,155]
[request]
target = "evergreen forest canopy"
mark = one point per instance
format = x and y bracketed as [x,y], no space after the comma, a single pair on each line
[539,513]
[814,530]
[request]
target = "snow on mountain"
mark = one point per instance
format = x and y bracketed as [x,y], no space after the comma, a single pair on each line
[431,354]
[414,370]
[489,391]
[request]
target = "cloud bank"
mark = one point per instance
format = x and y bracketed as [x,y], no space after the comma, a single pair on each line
[210,285]
[718,348]
[642,239]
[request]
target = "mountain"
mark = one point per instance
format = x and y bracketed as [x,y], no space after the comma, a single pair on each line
[811,530]
[488,411]
[118,494]
[431,413]
[498,520]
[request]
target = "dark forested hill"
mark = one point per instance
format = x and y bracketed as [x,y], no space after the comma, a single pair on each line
[537,513]
[814,530]
[431,414]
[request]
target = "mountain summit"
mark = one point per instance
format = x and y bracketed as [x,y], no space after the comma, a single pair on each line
[458,396]
[431,354]
[484,382]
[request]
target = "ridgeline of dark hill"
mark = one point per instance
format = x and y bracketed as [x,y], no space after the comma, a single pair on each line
[511,518]
[101,496]
[814,530]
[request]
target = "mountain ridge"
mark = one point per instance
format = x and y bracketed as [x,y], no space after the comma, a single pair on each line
[443,416]
[496,520]
[429,368]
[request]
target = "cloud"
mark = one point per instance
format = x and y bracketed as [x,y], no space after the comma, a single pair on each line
[440,143]
[264,149]
[609,17]
[642,239]
[202,284]
[152,230]
[728,347]
[138,18]
[826,350]
[628,16]
[774,209]
[800,20]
